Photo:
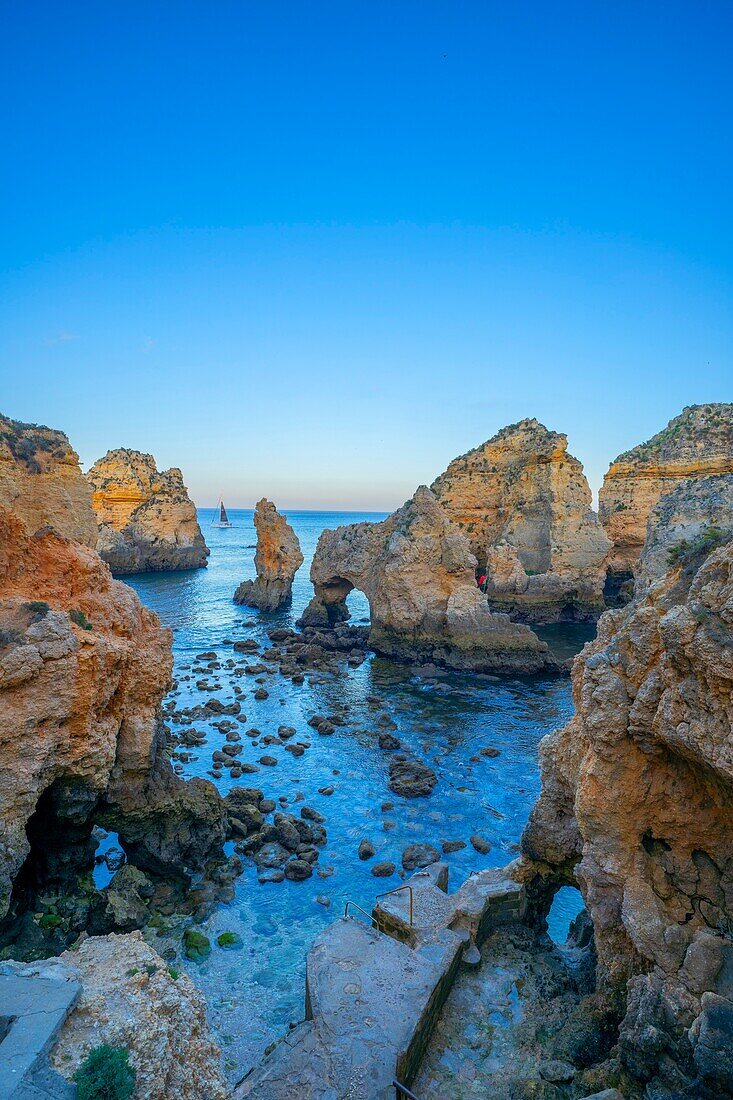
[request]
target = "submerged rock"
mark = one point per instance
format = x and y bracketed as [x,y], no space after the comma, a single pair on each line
[411,778]
[524,504]
[418,573]
[147,521]
[277,559]
[696,444]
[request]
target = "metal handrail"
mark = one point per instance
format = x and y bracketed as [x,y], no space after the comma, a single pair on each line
[396,890]
[403,1091]
[369,916]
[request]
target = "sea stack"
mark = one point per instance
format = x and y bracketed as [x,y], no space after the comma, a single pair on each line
[697,443]
[277,559]
[419,575]
[147,521]
[637,809]
[524,505]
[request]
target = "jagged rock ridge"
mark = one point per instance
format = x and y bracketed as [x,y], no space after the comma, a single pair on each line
[525,506]
[277,559]
[418,573]
[697,443]
[147,522]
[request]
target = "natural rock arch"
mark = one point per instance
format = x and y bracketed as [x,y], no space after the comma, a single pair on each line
[417,571]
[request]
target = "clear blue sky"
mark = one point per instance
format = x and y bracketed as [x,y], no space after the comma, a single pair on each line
[315,250]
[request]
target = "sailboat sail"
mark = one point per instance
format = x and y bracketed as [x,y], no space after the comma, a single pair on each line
[223,520]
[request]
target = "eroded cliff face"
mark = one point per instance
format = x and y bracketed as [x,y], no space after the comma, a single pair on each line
[147,521]
[277,559]
[637,804]
[696,444]
[418,573]
[83,670]
[525,507]
[41,482]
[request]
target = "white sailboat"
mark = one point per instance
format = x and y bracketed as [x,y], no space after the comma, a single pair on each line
[223,520]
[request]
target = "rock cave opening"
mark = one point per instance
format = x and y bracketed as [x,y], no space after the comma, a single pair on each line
[59,862]
[566,905]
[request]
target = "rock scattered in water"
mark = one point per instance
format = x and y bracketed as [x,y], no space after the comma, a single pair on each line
[366,849]
[298,869]
[419,855]
[196,946]
[383,869]
[411,778]
[480,844]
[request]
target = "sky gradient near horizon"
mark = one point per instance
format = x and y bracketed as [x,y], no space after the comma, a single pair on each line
[315,251]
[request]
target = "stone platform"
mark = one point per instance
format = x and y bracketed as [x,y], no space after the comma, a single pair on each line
[34,1003]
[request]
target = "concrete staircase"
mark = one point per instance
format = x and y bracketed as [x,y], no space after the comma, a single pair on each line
[374,993]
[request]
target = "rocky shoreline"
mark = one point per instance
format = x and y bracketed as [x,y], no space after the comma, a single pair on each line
[635,807]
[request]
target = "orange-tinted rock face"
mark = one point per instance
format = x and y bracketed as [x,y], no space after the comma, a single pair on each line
[697,443]
[146,519]
[637,802]
[277,560]
[41,482]
[525,506]
[83,670]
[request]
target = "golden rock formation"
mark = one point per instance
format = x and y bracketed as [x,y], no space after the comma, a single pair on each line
[146,519]
[418,573]
[277,559]
[525,506]
[697,443]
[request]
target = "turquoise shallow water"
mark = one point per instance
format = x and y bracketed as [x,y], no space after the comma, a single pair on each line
[255,992]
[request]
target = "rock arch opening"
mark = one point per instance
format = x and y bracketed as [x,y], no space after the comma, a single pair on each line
[566,906]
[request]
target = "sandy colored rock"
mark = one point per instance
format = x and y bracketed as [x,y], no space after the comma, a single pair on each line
[130,999]
[83,670]
[637,802]
[418,573]
[698,443]
[277,559]
[41,481]
[147,522]
[524,504]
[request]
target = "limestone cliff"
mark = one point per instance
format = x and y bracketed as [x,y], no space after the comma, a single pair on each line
[277,559]
[147,521]
[83,670]
[418,573]
[697,443]
[637,804]
[525,507]
[41,482]
[130,999]
[695,515]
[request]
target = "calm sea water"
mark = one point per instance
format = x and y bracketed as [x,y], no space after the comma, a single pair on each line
[255,992]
